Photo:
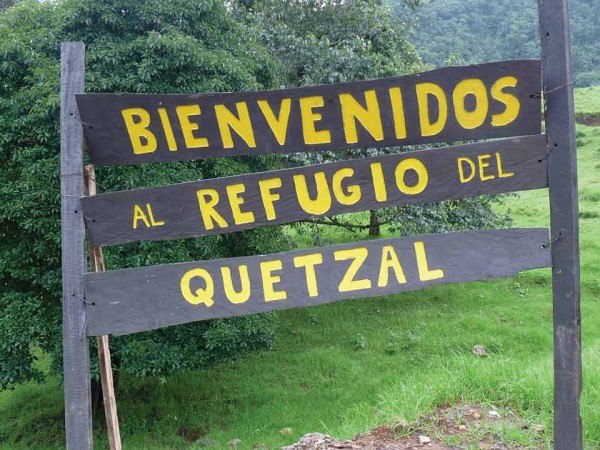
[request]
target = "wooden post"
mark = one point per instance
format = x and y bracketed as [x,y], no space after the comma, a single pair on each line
[78,404]
[106,374]
[562,179]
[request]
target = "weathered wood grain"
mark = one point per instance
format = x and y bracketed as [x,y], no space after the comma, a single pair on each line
[104,360]
[314,117]
[78,405]
[564,221]
[132,300]
[111,217]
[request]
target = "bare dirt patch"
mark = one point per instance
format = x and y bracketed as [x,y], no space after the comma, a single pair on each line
[450,427]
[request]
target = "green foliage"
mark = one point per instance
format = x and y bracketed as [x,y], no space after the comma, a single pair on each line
[185,348]
[451,215]
[333,41]
[419,355]
[480,31]
[152,46]
[588,105]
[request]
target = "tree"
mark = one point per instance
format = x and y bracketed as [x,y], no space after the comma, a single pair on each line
[333,41]
[152,46]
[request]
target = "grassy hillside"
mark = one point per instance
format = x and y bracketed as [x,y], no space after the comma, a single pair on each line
[587,100]
[344,368]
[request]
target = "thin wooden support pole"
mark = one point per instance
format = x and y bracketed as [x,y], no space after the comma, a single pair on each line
[564,220]
[76,358]
[104,361]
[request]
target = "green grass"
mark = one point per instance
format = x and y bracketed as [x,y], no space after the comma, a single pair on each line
[587,101]
[344,368]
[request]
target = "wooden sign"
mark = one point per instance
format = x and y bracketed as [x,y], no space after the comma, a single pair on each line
[133,300]
[495,100]
[236,203]
[456,103]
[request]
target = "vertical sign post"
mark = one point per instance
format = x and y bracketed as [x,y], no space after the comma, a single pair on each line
[562,179]
[78,411]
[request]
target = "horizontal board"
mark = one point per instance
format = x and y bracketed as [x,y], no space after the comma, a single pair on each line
[454,103]
[282,196]
[132,300]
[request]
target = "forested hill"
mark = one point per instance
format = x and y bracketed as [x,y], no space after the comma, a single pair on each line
[475,31]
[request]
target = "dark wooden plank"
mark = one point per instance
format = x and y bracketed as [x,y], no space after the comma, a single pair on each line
[564,210]
[174,211]
[132,300]
[78,405]
[475,102]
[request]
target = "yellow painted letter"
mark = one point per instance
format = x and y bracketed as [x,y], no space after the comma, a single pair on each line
[200,295]
[501,172]
[424,90]
[512,103]
[309,117]
[353,195]
[475,118]
[369,117]
[425,274]
[378,182]
[278,125]
[188,128]
[268,197]
[422,175]
[234,296]
[358,257]
[166,123]
[153,222]
[483,165]
[309,262]
[398,112]
[207,200]
[322,203]
[235,201]
[142,139]
[139,214]
[269,280]
[241,124]
[389,260]
[461,171]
